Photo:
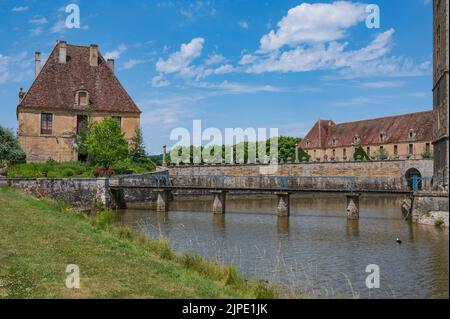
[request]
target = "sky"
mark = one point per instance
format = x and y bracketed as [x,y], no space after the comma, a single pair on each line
[235,63]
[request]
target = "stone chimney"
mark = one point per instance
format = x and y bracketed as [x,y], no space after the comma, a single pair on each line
[37,63]
[110,63]
[93,55]
[21,94]
[62,52]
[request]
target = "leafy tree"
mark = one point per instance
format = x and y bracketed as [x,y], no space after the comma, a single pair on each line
[81,139]
[302,155]
[10,150]
[106,143]
[382,154]
[360,154]
[137,149]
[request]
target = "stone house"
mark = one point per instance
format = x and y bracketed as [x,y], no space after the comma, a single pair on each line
[75,83]
[406,136]
[441,87]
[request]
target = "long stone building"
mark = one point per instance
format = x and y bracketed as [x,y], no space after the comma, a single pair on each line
[406,136]
[441,88]
[75,83]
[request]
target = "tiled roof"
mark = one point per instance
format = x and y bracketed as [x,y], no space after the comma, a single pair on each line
[56,84]
[395,129]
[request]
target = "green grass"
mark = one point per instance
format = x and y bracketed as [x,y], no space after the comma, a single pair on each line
[39,238]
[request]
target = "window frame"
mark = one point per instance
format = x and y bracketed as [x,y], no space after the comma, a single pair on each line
[44,117]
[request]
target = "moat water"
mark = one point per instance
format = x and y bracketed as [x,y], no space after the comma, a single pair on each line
[317,250]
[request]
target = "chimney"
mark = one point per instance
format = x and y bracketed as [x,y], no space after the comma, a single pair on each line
[62,52]
[21,95]
[110,63]
[93,55]
[37,63]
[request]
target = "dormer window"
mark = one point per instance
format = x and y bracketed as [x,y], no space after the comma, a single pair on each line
[412,134]
[308,143]
[382,137]
[357,140]
[82,97]
[334,142]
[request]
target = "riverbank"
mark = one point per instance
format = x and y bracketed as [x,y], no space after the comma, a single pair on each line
[39,239]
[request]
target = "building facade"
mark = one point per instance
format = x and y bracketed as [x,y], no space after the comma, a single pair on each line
[400,137]
[440,88]
[75,84]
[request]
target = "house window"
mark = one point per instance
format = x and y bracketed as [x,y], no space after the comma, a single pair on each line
[427,148]
[82,98]
[382,137]
[368,151]
[357,140]
[412,134]
[334,142]
[308,143]
[118,119]
[410,149]
[46,123]
[334,153]
[344,153]
[81,120]
[395,150]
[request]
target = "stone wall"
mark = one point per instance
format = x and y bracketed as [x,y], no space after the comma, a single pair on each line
[428,207]
[81,193]
[387,169]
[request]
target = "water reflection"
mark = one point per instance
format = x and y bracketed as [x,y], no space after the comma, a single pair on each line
[316,249]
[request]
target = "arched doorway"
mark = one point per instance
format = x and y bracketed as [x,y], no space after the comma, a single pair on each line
[414,179]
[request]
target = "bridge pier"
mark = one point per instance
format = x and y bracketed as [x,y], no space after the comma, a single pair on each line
[353,206]
[219,202]
[283,207]
[162,201]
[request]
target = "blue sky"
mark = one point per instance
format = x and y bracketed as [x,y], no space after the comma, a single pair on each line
[236,63]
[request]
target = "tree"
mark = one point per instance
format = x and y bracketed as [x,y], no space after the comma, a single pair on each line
[10,150]
[360,154]
[80,139]
[106,143]
[381,154]
[137,149]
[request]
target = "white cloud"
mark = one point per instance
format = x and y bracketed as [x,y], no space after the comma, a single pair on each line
[38,20]
[234,88]
[224,69]
[131,64]
[381,84]
[159,81]
[115,54]
[36,31]
[58,27]
[314,23]
[20,9]
[180,60]
[163,116]
[15,68]
[243,24]
[215,59]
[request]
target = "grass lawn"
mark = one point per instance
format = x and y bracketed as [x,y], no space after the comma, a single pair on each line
[38,241]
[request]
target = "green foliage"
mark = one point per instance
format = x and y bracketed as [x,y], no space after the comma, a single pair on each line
[303,156]
[137,149]
[439,222]
[106,143]
[427,155]
[128,166]
[105,218]
[50,169]
[360,154]
[286,148]
[80,138]
[10,150]
[381,154]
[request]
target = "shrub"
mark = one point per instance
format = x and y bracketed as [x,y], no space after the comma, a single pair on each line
[439,222]
[360,154]
[427,155]
[10,150]
[106,143]
[105,218]
[67,172]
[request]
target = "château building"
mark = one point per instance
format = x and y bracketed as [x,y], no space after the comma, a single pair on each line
[440,88]
[75,83]
[407,136]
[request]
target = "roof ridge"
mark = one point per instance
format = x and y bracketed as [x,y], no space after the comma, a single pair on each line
[384,117]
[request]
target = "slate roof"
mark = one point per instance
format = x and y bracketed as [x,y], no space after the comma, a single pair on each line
[395,129]
[56,84]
